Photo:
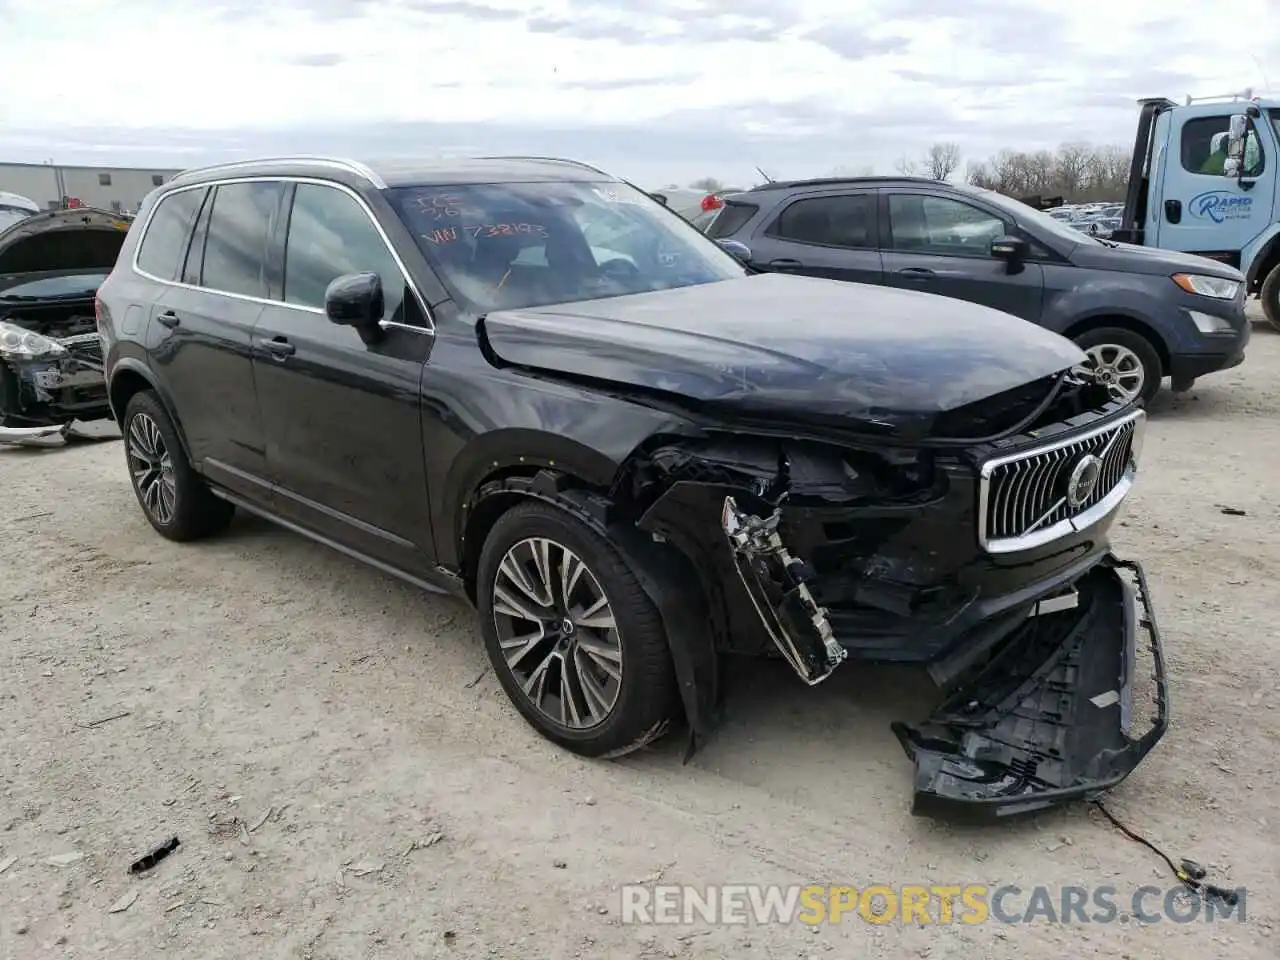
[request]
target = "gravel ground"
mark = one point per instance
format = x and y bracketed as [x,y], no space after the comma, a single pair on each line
[410,812]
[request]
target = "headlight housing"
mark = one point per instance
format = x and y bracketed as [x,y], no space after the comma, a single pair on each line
[1218,288]
[26,344]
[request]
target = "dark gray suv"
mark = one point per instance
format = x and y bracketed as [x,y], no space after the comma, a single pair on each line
[1140,314]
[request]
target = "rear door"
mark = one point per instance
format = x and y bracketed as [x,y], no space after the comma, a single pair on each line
[201,326]
[831,235]
[342,416]
[942,244]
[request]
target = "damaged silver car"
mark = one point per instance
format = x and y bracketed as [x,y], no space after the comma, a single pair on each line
[637,459]
[51,265]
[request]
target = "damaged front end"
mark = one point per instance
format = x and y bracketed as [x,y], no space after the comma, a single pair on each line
[987,563]
[51,376]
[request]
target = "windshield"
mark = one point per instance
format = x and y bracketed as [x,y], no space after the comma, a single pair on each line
[48,288]
[11,215]
[1029,214]
[513,245]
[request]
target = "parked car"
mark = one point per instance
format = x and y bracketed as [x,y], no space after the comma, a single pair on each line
[1140,314]
[634,456]
[15,207]
[51,264]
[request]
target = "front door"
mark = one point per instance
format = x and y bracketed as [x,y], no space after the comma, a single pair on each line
[832,236]
[1200,209]
[942,245]
[342,416]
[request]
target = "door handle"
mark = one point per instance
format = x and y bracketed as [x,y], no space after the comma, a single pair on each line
[168,319]
[1173,211]
[279,347]
[784,264]
[917,273]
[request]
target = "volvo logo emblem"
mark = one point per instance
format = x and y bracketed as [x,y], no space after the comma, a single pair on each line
[1083,480]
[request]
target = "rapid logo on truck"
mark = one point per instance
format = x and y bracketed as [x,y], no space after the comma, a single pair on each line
[1220,206]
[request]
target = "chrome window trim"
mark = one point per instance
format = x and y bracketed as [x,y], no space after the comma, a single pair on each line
[428,330]
[1079,522]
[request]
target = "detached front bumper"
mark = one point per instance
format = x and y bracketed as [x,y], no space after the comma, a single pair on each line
[1057,700]
[40,398]
[1066,708]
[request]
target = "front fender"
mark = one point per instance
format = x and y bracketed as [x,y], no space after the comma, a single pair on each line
[1072,309]
[1259,252]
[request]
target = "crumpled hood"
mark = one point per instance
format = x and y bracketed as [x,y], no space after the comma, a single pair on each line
[788,346]
[1132,258]
[84,238]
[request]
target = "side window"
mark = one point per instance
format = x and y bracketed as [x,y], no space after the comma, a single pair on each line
[1204,147]
[164,245]
[940,225]
[240,226]
[729,219]
[826,221]
[330,234]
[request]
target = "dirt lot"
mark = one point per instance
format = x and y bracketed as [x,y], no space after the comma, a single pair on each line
[412,813]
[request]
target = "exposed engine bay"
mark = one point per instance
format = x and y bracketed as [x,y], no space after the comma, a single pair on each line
[50,354]
[828,553]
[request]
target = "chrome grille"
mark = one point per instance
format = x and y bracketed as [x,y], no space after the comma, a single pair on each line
[1038,495]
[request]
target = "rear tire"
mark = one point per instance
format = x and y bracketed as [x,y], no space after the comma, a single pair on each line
[620,681]
[1270,297]
[174,499]
[1119,353]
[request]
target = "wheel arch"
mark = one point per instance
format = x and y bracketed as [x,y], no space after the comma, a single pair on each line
[495,472]
[130,377]
[1260,258]
[1124,322]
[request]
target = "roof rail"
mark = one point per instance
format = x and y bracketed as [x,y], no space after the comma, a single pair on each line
[351,166]
[576,163]
[837,181]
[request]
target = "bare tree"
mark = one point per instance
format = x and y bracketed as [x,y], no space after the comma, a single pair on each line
[1078,172]
[707,185]
[942,160]
[905,165]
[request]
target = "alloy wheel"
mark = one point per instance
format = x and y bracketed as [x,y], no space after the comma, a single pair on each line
[557,633]
[152,469]
[1117,368]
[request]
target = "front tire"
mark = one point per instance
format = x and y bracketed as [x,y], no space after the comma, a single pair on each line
[574,639]
[1270,296]
[175,501]
[1125,361]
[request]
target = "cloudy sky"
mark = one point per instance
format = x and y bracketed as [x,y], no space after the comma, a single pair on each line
[659,91]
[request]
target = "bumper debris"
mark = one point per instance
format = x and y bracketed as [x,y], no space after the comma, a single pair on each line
[1052,716]
[775,582]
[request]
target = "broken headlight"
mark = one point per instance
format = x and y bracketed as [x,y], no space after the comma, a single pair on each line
[26,344]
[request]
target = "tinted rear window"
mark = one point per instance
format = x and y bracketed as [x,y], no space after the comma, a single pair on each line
[165,243]
[733,217]
[235,252]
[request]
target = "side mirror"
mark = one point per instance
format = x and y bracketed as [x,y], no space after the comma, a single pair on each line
[355,300]
[1009,248]
[737,249]
[1236,130]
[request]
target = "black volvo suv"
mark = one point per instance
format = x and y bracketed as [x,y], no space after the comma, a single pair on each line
[525,382]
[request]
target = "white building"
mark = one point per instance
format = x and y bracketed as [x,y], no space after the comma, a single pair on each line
[112,188]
